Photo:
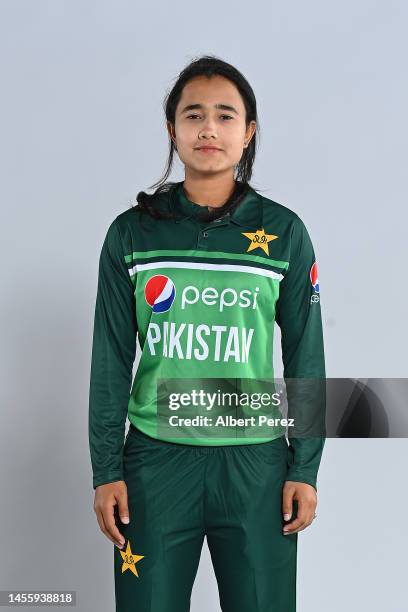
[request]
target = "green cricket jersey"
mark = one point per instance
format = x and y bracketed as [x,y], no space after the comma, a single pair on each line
[202,298]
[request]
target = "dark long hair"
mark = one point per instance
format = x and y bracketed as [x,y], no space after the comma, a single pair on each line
[209,66]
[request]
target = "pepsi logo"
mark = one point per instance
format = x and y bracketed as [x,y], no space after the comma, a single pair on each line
[160,292]
[314,277]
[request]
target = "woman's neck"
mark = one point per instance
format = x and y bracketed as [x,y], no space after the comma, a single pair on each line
[209,193]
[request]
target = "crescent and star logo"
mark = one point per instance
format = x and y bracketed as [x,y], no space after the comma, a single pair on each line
[130,560]
[259,240]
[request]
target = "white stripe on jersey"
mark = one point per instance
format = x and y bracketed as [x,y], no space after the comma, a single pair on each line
[205,266]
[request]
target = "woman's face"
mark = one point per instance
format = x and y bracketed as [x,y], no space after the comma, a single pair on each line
[209,124]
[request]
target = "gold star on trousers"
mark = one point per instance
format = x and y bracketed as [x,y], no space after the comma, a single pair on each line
[130,560]
[259,240]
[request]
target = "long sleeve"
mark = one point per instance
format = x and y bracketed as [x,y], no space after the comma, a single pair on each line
[113,354]
[298,314]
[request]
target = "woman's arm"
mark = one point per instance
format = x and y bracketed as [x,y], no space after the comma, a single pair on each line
[298,314]
[113,354]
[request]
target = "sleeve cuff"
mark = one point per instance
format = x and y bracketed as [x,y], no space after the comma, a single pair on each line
[106,478]
[297,476]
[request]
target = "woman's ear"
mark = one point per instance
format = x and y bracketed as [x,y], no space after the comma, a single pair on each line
[170,129]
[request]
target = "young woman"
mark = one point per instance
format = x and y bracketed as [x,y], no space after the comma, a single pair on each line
[199,271]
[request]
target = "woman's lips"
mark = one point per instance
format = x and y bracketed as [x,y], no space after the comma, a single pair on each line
[208,150]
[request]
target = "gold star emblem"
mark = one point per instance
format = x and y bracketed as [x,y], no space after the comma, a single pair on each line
[259,240]
[130,560]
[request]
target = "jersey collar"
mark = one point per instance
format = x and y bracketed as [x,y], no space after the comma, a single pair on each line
[247,214]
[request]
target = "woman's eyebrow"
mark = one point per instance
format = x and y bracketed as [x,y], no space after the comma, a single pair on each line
[201,106]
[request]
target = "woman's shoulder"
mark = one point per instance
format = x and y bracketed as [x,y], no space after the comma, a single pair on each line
[284,221]
[272,208]
[279,216]
[130,225]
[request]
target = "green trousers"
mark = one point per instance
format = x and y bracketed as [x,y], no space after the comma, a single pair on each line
[178,494]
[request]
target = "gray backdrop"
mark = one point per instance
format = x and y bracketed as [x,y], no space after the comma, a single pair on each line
[82,132]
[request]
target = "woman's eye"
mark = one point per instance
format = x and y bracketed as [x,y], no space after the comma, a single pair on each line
[195,115]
